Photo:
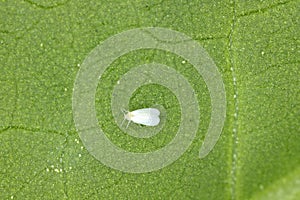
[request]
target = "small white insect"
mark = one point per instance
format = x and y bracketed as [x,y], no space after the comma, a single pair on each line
[145,116]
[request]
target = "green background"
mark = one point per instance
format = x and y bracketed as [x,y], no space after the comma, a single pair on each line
[255,45]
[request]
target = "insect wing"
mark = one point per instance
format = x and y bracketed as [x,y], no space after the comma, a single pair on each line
[146,116]
[151,111]
[153,121]
[154,111]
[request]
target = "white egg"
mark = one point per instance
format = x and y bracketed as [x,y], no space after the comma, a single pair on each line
[145,116]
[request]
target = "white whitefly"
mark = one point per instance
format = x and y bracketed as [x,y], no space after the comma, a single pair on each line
[144,116]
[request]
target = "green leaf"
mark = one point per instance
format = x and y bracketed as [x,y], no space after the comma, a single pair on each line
[255,45]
